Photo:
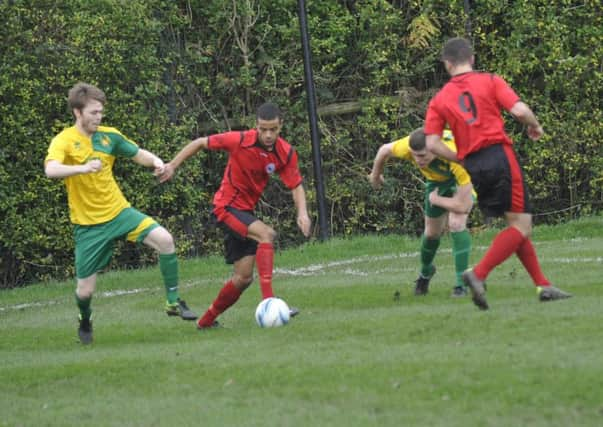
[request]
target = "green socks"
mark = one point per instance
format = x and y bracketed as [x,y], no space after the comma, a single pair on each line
[84,306]
[461,247]
[429,247]
[168,264]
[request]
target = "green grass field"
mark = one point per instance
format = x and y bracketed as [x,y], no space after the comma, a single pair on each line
[353,357]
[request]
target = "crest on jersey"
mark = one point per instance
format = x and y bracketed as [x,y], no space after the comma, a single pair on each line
[270,167]
[105,141]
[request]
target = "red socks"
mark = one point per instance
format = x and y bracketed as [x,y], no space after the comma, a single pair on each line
[228,295]
[505,244]
[264,259]
[529,259]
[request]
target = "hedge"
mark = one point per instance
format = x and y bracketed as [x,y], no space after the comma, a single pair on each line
[173,70]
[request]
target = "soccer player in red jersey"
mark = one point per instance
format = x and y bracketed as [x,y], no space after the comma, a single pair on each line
[254,155]
[471,104]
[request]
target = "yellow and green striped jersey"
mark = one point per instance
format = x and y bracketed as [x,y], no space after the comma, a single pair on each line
[439,170]
[94,198]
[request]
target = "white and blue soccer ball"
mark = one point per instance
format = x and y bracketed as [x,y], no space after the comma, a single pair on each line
[271,313]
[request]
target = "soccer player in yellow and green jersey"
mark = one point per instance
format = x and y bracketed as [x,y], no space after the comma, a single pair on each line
[448,198]
[83,156]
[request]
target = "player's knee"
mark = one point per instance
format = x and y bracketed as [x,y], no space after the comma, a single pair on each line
[431,234]
[165,241]
[242,281]
[84,290]
[524,227]
[526,230]
[456,225]
[84,293]
[269,235]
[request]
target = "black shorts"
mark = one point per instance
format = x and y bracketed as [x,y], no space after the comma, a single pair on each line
[498,180]
[234,223]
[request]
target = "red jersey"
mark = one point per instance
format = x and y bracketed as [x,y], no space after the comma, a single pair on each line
[471,104]
[250,166]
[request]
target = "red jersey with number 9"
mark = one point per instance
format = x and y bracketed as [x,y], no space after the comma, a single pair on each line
[249,167]
[471,104]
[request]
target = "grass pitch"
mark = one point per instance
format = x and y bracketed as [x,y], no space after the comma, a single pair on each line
[353,357]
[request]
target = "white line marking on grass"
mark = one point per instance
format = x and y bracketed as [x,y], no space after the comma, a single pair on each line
[105,294]
[310,270]
[313,269]
[351,272]
[28,305]
[575,260]
[118,292]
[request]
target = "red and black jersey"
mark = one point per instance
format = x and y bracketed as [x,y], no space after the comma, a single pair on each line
[471,104]
[250,166]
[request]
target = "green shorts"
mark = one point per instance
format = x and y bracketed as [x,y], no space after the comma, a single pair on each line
[446,189]
[94,243]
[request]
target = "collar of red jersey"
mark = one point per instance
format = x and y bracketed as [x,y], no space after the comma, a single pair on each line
[251,140]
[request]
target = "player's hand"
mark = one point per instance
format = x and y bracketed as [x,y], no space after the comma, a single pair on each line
[433,196]
[168,173]
[535,132]
[94,165]
[376,181]
[158,166]
[304,224]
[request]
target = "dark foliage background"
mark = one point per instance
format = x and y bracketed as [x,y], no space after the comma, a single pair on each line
[174,70]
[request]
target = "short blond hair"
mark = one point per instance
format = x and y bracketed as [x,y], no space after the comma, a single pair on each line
[80,94]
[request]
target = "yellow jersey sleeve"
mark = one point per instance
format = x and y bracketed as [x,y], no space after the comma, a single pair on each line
[401,148]
[56,150]
[93,198]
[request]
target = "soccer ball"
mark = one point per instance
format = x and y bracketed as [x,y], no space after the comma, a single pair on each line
[271,313]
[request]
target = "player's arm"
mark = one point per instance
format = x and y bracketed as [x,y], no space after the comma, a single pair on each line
[383,155]
[524,114]
[303,219]
[434,125]
[435,144]
[460,203]
[56,169]
[150,160]
[189,150]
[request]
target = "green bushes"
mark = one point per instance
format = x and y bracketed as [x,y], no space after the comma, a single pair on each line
[552,54]
[175,70]
[47,49]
